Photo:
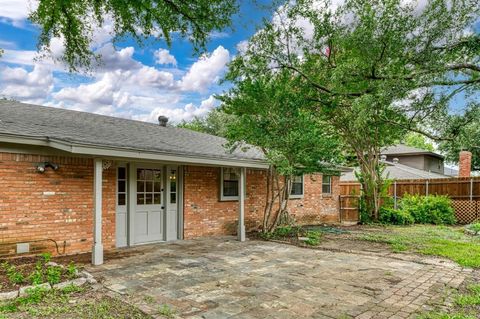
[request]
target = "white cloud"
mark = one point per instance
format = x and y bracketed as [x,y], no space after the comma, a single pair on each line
[17,11]
[205,71]
[112,59]
[163,56]
[175,115]
[33,87]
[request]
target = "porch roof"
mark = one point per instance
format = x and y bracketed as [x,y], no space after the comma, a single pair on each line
[99,135]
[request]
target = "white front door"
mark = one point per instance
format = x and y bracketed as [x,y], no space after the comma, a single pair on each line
[149,208]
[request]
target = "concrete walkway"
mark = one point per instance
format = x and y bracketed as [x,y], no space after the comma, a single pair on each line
[223,278]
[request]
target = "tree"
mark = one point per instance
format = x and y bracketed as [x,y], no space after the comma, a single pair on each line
[274,115]
[467,138]
[374,70]
[74,22]
[419,141]
[215,123]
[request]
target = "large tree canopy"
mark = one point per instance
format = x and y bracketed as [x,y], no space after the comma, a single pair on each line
[274,115]
[75,21]
[467,138]
[215,123]
[373,70]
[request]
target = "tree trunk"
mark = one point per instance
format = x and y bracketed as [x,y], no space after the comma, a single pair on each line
[372,182]
[276,205]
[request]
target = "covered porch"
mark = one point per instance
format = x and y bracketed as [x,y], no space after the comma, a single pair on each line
[149,201]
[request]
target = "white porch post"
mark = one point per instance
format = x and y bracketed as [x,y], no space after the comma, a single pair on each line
[97,250]
[241,210]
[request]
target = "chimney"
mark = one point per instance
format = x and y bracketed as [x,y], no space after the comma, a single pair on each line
[464,164]
[162,120]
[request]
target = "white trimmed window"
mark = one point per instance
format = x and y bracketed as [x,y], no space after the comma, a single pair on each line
[297,187]
[327,184]
[229,183]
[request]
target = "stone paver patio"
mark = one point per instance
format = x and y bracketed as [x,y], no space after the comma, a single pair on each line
[223,278]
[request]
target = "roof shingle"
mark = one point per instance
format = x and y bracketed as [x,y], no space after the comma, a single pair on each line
[105,131]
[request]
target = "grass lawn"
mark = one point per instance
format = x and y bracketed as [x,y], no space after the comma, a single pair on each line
[466,306]
[71,302]
[444,241]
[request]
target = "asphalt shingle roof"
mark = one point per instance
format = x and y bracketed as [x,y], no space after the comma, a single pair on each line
[399,172]
[401,149]
[110,132]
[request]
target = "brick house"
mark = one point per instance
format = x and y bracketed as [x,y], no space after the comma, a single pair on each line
[82,182]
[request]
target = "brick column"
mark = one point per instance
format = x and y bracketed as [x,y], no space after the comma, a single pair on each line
[464,164]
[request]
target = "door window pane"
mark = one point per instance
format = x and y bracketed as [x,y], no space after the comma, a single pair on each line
[121,186]
[148,198]
[122,173]
[149,187]
[173,186]
[121,199]
[140,199]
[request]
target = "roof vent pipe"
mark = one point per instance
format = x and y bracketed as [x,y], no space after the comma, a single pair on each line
[162,120]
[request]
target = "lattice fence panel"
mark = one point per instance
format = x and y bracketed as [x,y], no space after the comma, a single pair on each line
[466,211]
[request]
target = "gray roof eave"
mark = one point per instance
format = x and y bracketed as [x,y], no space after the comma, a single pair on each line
[126,152]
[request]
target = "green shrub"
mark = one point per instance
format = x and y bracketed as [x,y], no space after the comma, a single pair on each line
[15,276]
[72,270]
[395,216]
[429,209]
[474,228]
[313,238]
[53,274]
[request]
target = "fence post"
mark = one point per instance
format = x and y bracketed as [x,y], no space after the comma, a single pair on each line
[340,207]
[395,194]
[471,189]
[426,187]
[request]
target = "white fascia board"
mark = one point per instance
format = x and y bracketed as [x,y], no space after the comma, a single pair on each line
[125,153]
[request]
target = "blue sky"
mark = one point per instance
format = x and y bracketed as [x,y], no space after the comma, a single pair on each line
[138,82]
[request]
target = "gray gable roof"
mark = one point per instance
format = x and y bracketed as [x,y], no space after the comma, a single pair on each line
[402,149]
[26,120]
[397,171]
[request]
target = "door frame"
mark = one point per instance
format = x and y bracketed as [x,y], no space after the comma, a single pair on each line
[131,169]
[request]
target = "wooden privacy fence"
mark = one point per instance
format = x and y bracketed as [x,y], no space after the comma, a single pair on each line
[464,192]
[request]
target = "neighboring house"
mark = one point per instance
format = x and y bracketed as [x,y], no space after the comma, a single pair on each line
[91,182]
[396,171]
[415,157]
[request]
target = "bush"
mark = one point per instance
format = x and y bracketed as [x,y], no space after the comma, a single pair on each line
[395,216]
[314,237]
[429,209]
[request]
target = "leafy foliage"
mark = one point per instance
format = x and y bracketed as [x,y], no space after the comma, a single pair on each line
[215,123]
[419,141]
[395,216]
[466,137]
[370,70]
[429,209]
[75,21]
[273,114]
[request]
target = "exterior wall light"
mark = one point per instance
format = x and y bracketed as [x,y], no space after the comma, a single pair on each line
[42,166]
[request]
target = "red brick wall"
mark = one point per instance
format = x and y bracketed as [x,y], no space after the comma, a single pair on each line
[316,207]
[205,214]
[55,204]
